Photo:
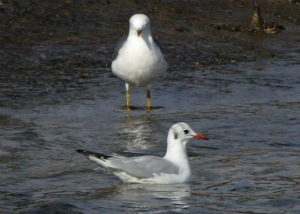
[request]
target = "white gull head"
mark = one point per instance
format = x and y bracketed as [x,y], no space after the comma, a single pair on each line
[182,133]
[179,135]
[139,25]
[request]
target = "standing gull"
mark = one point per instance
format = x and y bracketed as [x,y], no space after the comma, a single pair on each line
[138,58]
[174,167]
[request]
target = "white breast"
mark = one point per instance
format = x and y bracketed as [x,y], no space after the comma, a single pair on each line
[139,63]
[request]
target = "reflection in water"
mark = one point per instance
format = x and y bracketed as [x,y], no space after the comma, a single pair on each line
[144,194]
[148,113]
[136,133]
[175,192]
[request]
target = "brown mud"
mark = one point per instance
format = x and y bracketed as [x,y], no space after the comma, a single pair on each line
[58,45]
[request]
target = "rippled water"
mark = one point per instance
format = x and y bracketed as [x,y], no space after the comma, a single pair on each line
[250,112]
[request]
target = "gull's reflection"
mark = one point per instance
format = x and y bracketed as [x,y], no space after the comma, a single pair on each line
[173,194]
[135,133]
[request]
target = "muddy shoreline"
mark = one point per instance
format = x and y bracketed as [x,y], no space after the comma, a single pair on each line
[59,45]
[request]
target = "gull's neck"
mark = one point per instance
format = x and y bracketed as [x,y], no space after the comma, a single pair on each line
[176,151]
[144,42]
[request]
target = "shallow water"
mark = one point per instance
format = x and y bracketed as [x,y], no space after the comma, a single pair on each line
[249,111]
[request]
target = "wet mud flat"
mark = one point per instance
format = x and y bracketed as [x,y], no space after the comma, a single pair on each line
[237,85]
[63,44]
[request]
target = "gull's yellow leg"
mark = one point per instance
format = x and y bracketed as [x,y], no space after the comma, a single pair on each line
[148,104]
[148,100]
[127,100]
[127,96]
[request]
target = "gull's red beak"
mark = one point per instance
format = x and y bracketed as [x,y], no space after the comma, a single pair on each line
[200,137]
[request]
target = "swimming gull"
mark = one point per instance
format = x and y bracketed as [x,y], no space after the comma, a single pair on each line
[174,167]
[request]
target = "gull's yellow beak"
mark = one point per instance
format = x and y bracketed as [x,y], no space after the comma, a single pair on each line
[139,31]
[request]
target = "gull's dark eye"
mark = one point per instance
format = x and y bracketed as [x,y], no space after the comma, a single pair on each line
[186,131]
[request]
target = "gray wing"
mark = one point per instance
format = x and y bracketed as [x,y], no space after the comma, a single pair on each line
[143,167]
[119,45]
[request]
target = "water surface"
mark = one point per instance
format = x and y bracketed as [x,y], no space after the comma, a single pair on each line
[251,163]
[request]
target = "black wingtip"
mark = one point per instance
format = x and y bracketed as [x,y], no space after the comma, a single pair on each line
[80,150]
[97,155]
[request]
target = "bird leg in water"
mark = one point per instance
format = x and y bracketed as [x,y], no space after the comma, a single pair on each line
[127,96]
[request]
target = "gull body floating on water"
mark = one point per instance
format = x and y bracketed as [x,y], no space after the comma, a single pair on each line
[138,58]
[174,167]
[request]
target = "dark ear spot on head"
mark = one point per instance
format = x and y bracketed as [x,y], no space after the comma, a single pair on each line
[175,135]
